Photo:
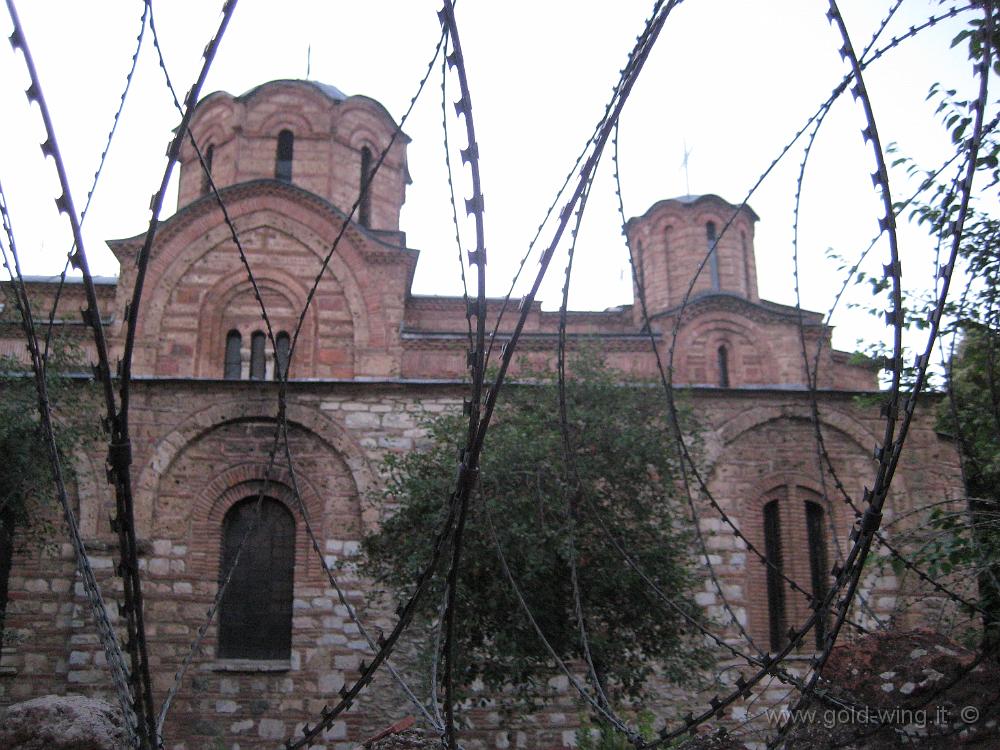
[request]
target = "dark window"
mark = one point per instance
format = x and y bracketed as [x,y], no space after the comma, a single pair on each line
[257,361]
[746,259]
[234,342]
[6,555]
[713,255]
[365,205]
[206,182]
[775,569]
[281,347]
[723,367]
[255,615]
[818,569]
[283,163]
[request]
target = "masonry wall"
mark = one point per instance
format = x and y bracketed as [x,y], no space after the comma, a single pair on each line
[370,363]
[200,447]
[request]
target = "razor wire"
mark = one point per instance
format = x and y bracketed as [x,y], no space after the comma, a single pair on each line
[105,629]
[480,407]
[281,432]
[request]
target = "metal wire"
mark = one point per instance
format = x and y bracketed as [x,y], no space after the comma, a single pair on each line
[105,630]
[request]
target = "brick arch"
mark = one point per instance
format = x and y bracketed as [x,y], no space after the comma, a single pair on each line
[236,484]
[362,136]
[201,423]
[753,506]
[359,114]
[267,112]
[204,233]
[214,122]
[750,358]
[213,134]
[285,119]
[753,417]
[791,491]
[720,442]
[214,323]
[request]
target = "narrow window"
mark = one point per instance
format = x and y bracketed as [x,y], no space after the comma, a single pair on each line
[818,569]
[6,555]
[206,180]
[713,255]
[234,342]
[283,164]
[281,346]
[255,615]
[746,259]
[365,206]
[257,361]
[775,569]
[723,367]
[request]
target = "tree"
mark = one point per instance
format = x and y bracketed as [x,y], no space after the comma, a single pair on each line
[972,415]
[617,491]
[955,542]
[26,480]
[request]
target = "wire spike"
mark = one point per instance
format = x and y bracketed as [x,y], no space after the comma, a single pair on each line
[470,153]
[474,205]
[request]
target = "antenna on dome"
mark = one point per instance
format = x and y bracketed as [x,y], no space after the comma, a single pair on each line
[684,163]
[309,55]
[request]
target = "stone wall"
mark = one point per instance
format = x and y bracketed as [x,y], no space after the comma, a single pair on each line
[200,447]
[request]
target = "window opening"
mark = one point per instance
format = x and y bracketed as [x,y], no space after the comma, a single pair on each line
[206,181]
[818,565]
[255,615]
[282,345]
[233,366]
[723,367]
[365,205]
[713,255]
[283,163]
[257,361]
[775,569]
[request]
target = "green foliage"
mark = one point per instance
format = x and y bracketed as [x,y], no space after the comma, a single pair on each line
[971,541]
[603,736]
[26,478]
[624,459]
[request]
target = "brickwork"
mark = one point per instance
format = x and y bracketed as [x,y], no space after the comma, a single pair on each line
[371,363]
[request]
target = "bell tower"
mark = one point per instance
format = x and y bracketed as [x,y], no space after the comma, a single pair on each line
[306,134]
[683,244]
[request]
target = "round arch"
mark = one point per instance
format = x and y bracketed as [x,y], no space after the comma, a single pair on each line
[203,422]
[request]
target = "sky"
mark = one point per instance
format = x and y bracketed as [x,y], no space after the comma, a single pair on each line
[731,81]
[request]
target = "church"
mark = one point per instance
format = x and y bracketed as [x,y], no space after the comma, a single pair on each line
[373,359]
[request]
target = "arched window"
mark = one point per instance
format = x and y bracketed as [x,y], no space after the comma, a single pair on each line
[282,344]
[206,182]
[283,163]
[233,366]
[775,582]
[746,260]
[365,205]
[795,550]
[257,360]
[723,355]
[713,255]
[818,565]
[255,615]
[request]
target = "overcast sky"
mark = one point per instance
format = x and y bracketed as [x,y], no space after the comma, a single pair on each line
[733,79]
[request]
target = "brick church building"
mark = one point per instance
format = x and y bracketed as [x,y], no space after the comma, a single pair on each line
[373,359]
